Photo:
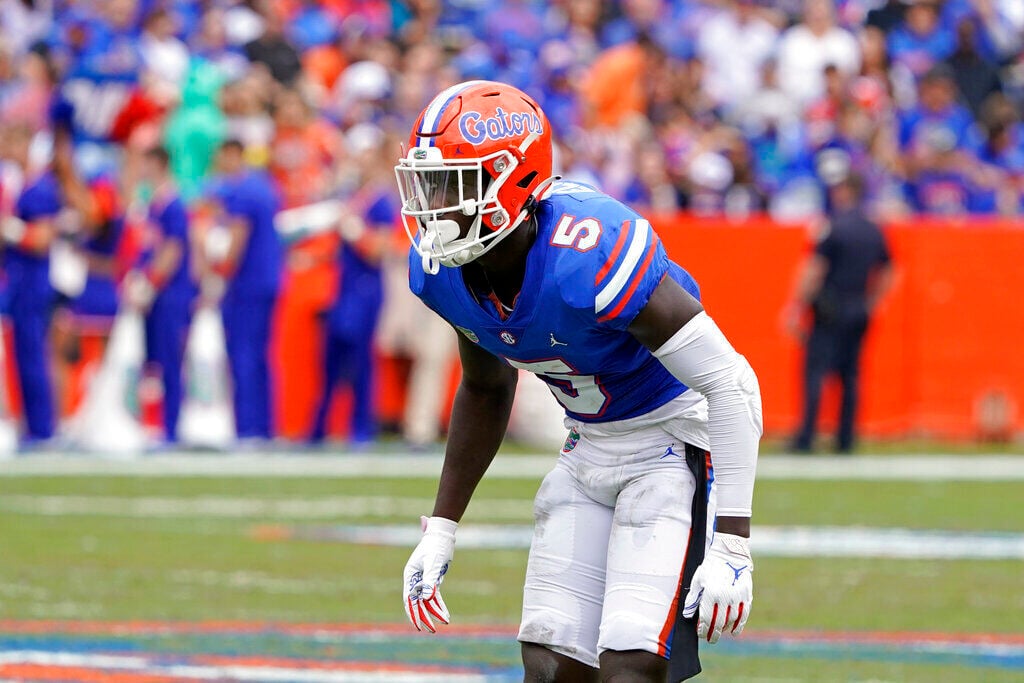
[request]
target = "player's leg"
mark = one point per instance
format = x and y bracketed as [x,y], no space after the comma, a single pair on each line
[547,666]
[633,666]
[562,596]
[648,547]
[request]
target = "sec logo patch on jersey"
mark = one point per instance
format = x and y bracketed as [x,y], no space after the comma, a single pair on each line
[507,337]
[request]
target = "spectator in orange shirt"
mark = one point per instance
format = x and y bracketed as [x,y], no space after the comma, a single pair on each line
[303,152]
[619,82]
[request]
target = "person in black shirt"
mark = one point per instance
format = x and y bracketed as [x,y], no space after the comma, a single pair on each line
[975,77]
[887,16]
[273,50]
[841,283]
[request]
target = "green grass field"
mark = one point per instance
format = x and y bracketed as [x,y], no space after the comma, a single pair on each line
[116,548]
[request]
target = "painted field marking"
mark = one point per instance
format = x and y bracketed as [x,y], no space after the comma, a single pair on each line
[48,663]
[59,651]
[392,466]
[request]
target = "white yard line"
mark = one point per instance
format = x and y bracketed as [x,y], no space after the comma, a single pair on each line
[766,541]
[227,507]
[392,466]
[782,541]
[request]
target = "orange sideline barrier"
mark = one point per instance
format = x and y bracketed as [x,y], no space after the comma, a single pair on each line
[948,335]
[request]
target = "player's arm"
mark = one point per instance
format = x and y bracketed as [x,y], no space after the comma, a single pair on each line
[675,328]
[480,414]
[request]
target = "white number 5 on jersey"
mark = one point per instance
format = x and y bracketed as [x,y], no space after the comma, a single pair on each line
[581,235]
[581,394]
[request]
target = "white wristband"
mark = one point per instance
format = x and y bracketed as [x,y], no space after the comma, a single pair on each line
[440,525]
[734,545]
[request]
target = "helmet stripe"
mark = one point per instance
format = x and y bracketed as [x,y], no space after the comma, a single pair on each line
[432,116]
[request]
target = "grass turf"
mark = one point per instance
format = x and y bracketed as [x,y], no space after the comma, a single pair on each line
[201,567]
[954,506]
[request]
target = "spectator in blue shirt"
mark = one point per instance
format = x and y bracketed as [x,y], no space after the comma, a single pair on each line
[921,41]
[936,108]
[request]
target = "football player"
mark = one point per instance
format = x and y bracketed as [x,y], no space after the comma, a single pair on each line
[629,564]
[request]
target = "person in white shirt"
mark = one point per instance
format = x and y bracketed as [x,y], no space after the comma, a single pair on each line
[734,45]
[809,46]
[164,55]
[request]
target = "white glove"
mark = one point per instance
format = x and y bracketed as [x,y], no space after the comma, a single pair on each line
[425,571]
[722,588]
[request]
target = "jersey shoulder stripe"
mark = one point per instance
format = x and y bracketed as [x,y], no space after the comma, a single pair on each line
[624,232]
[634,282]
[623,270]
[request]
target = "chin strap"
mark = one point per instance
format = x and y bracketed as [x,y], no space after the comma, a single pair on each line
[538,193]
[443,232]
[430,264]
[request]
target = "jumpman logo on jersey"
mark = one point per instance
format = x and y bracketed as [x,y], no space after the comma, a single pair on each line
[668,452]
[555,342]
[737,572]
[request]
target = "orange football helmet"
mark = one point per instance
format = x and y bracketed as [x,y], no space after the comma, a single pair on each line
[482,149]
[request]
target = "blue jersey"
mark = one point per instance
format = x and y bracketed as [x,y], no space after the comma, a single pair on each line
[361,285]
[252,196]
[28,273]
[168,219]
[591,270]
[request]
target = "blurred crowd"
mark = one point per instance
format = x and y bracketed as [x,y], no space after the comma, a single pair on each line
[208,152]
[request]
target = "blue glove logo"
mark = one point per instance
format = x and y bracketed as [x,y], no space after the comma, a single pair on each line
[737,572]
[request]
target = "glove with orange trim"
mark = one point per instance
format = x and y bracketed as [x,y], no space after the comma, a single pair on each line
[425,571]
[722,588]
